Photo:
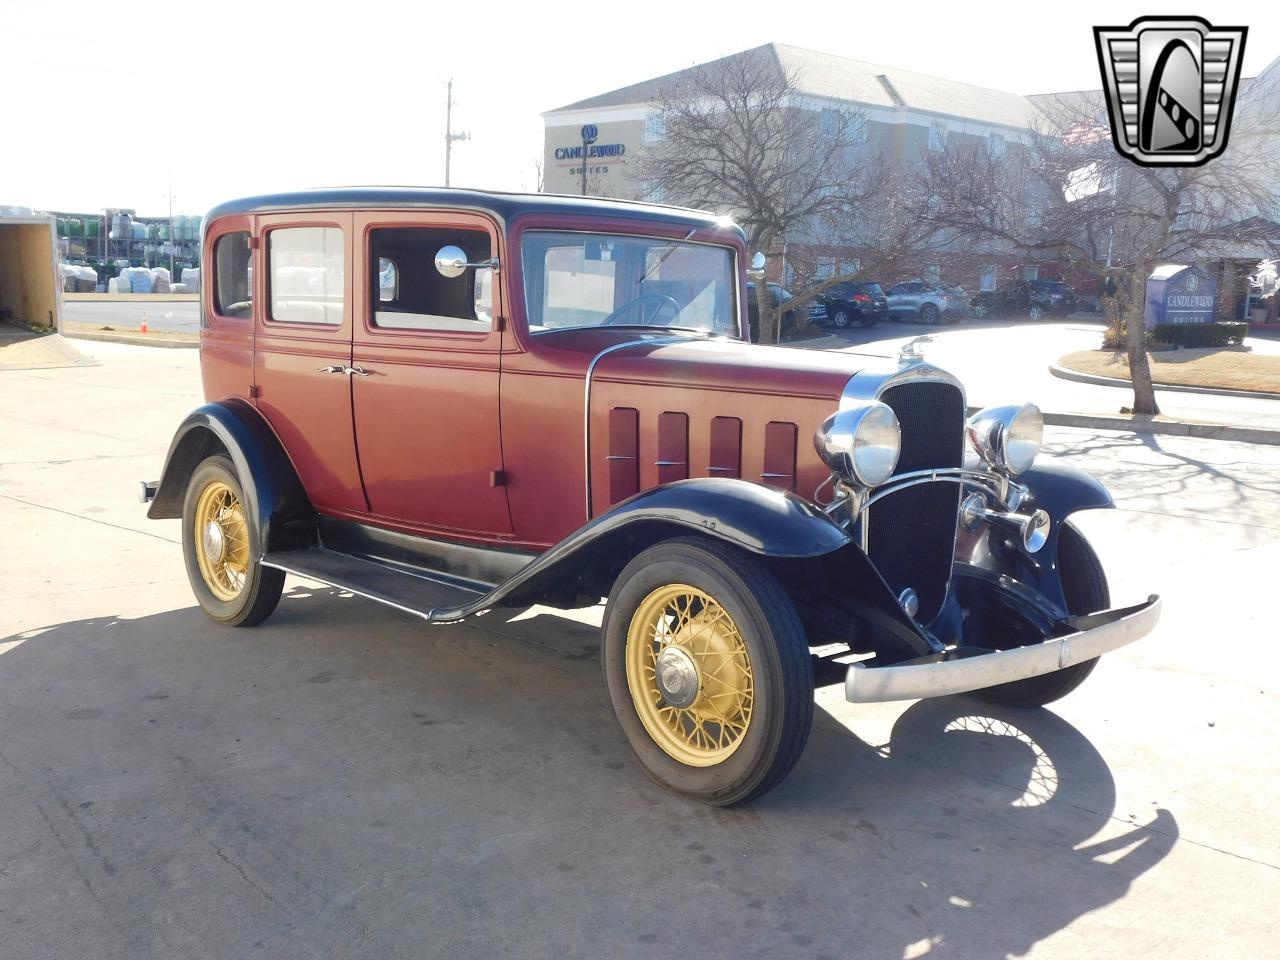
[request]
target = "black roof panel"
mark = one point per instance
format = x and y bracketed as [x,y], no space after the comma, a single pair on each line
[505,206]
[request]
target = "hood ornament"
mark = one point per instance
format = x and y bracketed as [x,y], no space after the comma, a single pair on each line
[913,351]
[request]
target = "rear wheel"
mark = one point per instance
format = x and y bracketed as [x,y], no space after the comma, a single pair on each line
[220,546]
[1084,583]
[840,317]
[929,313]
[981,309]
[707,669]
[1036,312]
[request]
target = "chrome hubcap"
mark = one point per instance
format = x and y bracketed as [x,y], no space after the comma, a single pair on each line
[677,677]
[214,542]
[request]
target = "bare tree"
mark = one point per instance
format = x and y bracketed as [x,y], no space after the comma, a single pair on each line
[1066,193]
[741,138]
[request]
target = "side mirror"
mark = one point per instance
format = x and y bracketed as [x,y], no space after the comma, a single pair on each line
[451,261]
[757,265]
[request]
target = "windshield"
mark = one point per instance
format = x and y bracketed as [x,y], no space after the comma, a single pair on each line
[574,280]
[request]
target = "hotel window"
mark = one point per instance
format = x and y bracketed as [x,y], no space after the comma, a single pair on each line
[995,144]
[1030,273]
[937,136]
[655,127]
[835,121]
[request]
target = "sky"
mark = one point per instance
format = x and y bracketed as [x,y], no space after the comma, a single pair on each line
[102,106]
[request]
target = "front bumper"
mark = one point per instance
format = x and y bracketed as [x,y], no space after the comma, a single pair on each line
[964,669]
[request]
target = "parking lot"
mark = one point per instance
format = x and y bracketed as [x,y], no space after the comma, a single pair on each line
[344,781]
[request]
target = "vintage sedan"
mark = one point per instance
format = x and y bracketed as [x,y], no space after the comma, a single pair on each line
[453,402]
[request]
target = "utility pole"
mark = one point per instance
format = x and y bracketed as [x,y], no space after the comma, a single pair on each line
[449,135]
[171,224]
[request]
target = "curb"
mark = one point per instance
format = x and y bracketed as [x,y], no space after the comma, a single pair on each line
[1065,373]
[135,339]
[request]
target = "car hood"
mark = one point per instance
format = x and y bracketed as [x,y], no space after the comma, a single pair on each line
[735,367]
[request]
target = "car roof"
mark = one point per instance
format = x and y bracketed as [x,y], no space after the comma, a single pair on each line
[504,206]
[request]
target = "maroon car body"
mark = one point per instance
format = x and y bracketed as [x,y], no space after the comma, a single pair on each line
[438,399]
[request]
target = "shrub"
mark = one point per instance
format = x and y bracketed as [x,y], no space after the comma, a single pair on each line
[1227,334]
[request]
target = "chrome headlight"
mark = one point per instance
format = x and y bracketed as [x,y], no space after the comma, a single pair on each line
[1008,438]
[861,444]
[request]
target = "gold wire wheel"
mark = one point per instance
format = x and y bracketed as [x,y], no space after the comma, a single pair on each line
[689,675]
[221,536]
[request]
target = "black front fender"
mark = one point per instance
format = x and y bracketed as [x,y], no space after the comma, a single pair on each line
[284,517]
[1060,489]
[761,520]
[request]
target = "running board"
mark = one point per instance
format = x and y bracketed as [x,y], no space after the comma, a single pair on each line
[437,598]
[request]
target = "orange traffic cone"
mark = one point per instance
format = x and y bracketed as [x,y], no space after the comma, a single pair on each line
[143,328]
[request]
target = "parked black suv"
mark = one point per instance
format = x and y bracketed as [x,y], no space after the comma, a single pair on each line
[1036,298]
[851,300]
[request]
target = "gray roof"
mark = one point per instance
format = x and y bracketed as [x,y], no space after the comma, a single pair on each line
[828,75]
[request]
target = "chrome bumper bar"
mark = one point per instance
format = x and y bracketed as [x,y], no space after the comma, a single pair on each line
[966,669]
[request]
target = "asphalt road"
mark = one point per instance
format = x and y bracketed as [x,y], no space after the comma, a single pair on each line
[344,781]
[163,315]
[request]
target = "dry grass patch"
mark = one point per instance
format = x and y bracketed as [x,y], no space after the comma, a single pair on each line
[1218,368]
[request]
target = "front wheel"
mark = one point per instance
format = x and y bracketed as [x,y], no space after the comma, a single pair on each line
[1084,584]
[980,310]
[220,546]
[1036,312]
[707,669]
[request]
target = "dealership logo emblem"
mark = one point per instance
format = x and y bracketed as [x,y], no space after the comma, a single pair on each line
[1171,85]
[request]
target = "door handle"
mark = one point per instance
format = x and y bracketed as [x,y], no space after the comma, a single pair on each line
[332,368]
[358,372]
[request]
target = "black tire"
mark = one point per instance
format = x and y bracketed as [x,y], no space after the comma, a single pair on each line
[981,310]
[840,318]
[1036,312]
[929,313]
[776,645]
[258,597]
[1084,583]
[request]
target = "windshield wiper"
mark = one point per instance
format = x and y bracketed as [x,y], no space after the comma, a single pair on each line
[662,258]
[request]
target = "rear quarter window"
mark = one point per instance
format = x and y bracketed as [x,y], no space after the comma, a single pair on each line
[233,275]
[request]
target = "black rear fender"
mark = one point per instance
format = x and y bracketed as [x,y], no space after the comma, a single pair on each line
[284,517]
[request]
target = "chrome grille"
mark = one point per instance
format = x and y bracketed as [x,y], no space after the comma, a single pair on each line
[911,533]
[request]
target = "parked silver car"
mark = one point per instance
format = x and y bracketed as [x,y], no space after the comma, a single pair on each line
[927,302]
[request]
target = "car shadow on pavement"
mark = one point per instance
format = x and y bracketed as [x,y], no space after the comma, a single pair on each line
[344,779]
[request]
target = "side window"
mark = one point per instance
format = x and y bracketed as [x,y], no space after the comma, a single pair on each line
[306,274]
[412,294]
[898,289]
[233,275]
[388,280]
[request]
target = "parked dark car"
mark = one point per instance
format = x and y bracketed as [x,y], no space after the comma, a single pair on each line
[927,302]
[777,295]
[458,403]
[1035,298]
[854,300]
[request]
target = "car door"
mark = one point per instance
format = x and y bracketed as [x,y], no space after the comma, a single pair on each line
[302,349]
[427,357]
[894,297]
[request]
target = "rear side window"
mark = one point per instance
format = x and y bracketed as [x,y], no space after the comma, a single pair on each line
[306,274]
[413,295]
[233,275]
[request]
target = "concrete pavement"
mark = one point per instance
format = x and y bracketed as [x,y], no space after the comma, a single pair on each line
[1005,361]
[346,782]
